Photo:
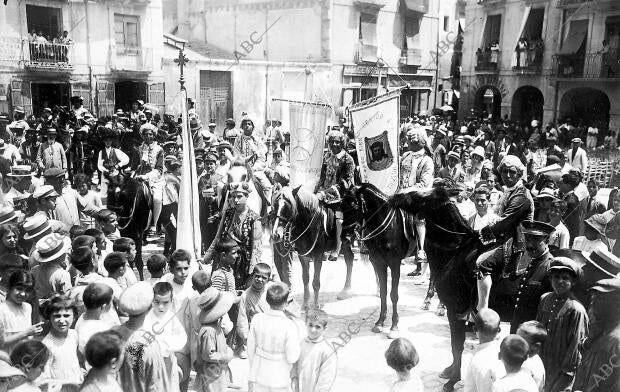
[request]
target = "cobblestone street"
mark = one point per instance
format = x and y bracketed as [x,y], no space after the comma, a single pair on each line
[361,362]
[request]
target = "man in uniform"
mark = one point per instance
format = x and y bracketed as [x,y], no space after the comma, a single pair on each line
[534,282]
[336,174]
[514,206]
[416,172]
[210,186]
[151,169]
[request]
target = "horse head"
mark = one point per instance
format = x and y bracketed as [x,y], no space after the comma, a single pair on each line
[285,207]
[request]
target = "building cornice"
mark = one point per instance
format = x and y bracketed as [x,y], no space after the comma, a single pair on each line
[240,5]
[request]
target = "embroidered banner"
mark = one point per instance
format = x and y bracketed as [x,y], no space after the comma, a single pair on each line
[376,126]
[308,128]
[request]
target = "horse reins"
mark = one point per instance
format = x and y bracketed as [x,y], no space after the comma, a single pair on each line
[288,228]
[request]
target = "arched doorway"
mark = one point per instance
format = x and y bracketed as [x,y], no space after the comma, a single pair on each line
[488,101]
[527,104]
[586,106]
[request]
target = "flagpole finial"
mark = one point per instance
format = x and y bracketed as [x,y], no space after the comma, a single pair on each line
[181,60]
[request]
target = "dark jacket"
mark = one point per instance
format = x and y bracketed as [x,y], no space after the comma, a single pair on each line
[532,285]
[518,206]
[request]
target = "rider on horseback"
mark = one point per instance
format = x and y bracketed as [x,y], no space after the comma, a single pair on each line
[151,169]
[515,206]
[417,173]
[336,174]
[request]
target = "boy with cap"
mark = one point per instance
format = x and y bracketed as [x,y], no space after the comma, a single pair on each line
[50,275]
[599,370]
[213,354]
[140,345]
[566,321]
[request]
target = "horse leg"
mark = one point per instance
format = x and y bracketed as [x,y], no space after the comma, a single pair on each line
[395,273]
[348,259]
[430,293]
[138,260]
[316,282]
[305,277]
[381,272]
[457,342]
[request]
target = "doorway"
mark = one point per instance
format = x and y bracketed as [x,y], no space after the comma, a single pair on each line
[128,92]
[48,95]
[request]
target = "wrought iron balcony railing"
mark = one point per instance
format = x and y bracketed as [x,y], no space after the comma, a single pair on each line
[590,66]
[488,60]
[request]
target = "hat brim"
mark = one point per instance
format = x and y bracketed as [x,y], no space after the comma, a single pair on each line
[8,219]
[603,270]
[223,305]
[19,175]
[40,259]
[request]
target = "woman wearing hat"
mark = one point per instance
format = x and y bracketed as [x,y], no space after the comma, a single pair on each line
[243,225]
[453,169]
[51,154]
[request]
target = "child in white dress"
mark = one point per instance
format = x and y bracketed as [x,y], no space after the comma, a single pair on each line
[402,356]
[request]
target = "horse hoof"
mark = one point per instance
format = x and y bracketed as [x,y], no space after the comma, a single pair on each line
[449,386]
[441,312]
[344,294]
[377,329]
[393,334]
[426,306]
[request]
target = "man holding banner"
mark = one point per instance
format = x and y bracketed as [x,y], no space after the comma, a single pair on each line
[336,174]
[416,171]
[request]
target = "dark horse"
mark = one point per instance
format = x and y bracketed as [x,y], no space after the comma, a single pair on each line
[131,199]
[387,235]
[303,224]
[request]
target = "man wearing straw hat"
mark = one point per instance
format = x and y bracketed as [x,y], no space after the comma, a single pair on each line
[21,176]
[51,153]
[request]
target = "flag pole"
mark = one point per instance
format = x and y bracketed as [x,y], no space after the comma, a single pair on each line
[188,225]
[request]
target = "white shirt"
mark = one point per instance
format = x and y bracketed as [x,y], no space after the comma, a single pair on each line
[179,292]
[535,366]
[11,153]
[522,380]
[478,222]
[123,159]
[483,369]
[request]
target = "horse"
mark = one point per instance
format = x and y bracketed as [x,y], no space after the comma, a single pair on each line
[452,247]
[386,234]
[302,223]
[131,200]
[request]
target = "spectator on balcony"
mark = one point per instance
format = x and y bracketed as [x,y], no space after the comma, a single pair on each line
[522,50]
[494,54]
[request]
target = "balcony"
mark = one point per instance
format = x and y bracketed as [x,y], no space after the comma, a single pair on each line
[589,66]
[572,3]
[47,56]
[530,60]
[132,59]
[487,61]
[411,57]
[490,2]
[366,53]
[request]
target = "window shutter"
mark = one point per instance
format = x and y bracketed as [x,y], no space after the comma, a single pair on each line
[21,95]
[157,96]
[105,98]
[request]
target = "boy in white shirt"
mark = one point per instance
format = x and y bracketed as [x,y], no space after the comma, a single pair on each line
[513,352]
[484,366]
[179,278]
[534,334]
[483,217]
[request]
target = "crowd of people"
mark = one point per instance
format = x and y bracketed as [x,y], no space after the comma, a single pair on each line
[75,316]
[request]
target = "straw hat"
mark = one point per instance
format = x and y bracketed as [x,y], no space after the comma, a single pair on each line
[214,304]
[44,191]
[34,226]
[604,261]
[7,215]
[20,171]
[50,247]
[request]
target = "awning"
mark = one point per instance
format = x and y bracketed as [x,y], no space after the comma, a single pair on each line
[577,34]
[419,6]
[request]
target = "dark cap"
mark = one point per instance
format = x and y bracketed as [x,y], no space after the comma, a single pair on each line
[537,228]
[564,264]
[54,172]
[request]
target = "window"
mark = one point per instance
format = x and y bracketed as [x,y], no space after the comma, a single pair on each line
[446,23]
[492,30]
[44,21]
[368,28]
[412,30]
[126,31]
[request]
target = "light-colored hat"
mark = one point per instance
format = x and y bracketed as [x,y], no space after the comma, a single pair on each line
[35,225]
[50,247]
[214,304]
[534,123]
[604,261]
[136,299]
[20,171]
[212,124]
[20,197]
[7,214]
[44,191]
[547,193]
[240,186]
[576,140]
[512,161]
[599,222]
[455,155]
[479,150]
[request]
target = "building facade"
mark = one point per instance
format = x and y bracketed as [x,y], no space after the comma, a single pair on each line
[247,52]
[545,60]
[108,52]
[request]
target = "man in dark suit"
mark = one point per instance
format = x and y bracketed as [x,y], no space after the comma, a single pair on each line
[590,205]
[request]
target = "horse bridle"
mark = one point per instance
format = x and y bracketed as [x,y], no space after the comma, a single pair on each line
[287,241]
